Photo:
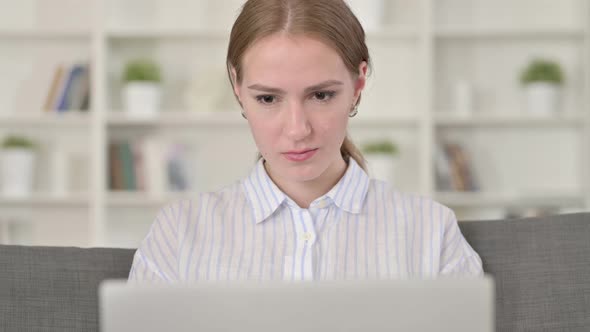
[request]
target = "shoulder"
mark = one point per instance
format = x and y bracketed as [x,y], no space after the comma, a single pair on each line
[412,205]
[196,204]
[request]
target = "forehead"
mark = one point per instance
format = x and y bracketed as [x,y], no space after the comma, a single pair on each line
[293,58]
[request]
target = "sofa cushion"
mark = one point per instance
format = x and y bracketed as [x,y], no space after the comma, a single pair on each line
[541,267]
[542,270]
[55,288]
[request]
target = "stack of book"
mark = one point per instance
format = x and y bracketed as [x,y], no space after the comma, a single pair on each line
[69,89]
[454,171]
[150,165]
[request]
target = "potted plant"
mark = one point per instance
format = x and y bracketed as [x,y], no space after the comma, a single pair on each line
[381,156]
[542,79]
[17,169]
[142,90]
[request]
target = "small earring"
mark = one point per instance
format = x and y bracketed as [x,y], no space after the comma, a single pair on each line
[244,115]
[354,111]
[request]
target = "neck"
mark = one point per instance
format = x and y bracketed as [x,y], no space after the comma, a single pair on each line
[303,193]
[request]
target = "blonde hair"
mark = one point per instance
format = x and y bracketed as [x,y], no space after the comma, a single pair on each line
[331,21]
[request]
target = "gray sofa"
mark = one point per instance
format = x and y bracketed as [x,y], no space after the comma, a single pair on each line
[541,267]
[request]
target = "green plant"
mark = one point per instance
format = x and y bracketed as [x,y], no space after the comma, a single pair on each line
[380,147]
[143,70]
[542,70]
[17,142]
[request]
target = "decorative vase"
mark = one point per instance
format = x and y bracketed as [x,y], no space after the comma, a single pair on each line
[542,99]
[142,99]
[17,172]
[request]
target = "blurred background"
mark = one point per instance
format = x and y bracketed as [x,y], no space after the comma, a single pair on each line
[109,109]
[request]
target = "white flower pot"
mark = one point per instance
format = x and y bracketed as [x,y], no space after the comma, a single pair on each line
[142,99]
[542,99]
[381,166]
[369,13]
[17,172]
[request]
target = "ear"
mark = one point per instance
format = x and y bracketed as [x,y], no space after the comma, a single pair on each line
[234,80]
[361,81]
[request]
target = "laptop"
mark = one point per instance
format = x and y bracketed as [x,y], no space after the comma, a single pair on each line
[396,305]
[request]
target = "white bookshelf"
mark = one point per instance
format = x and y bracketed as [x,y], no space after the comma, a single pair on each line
[71,119]
[395,33]
[482,200]
[514,33]
[44,34]
[454,120]
[139,200]
[423,47]
[178,119]
[41,200]
[167,33]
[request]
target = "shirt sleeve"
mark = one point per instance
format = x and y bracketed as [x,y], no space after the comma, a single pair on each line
[457,257]
[156,259]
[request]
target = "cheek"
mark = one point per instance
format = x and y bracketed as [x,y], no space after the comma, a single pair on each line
[333,129]
[264,132]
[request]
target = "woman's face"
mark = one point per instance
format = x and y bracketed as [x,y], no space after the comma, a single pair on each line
[297,93]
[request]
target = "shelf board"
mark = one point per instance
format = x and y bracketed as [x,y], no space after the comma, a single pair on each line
[391,33]
[178,119]
[47,200]
[465,32]
[67,119]
[506,120]
[166,33]
[233,118]
[397,120]
[130,199]
[40,33]
[482,199]
[385,33]
[133,199]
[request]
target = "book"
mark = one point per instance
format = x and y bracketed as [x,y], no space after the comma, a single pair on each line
[456,181]
[442,169]
[72,76]
[79,88]
[152,165]
[460,171]
[69,89]
[153,156]
[128,170]
[54,88]
[465,170]
[116,181]
[177,168]
[139,166]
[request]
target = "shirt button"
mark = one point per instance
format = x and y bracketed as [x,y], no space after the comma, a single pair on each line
[307,236]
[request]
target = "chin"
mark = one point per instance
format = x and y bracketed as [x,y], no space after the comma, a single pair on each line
[304,173]
[299,173]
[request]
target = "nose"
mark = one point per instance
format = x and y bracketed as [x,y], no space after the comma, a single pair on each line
[297,126]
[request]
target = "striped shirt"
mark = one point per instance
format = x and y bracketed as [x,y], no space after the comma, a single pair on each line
[361,229]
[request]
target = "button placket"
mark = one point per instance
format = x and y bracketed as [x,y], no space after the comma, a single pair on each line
[308,235]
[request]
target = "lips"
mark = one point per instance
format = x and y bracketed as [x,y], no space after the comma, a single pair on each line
[300,155]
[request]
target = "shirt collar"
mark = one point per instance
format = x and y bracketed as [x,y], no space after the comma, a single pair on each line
[349,193]
[265,197]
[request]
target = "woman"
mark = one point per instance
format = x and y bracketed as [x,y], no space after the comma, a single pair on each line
[308,210]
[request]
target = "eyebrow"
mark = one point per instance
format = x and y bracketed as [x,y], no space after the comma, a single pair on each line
[312,88]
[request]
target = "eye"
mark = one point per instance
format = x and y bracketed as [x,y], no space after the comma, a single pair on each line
[266,99]
[324,95]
